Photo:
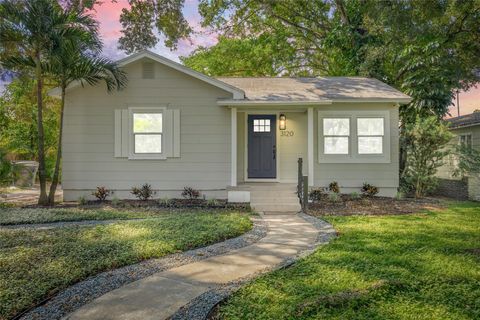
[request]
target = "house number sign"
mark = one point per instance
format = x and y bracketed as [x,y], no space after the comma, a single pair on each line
[285,133]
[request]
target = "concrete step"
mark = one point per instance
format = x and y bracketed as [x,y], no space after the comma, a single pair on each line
[274,201]
[272,207]
[272,194]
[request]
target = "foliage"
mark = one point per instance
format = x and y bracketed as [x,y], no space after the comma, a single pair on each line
[115,201]
[5,169]
[468,161]
[334,187]
[18,122]
[190,193]
[425,139]
[355,196]
[82,200]
[334,197]
[316,194]
[63,256]
[102,193]
[369,190]
[420,266]
[144,193]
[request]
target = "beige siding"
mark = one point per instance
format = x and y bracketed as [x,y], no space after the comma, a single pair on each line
[88,153]
[351,176]
[291,148]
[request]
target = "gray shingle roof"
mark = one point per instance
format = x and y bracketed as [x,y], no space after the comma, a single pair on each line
[314,89]
[466,120]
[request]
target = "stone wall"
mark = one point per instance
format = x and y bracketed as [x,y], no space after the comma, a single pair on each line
[455,189]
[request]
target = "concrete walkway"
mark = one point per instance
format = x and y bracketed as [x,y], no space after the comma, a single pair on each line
[162,294]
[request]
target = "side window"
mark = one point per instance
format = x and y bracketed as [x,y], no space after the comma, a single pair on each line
[465,140]
[261,125]
[336,133]
[147,133]
[370,134]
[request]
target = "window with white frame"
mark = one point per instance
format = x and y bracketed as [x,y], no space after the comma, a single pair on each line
[336,135]
[370,134]
[465,140]
[261,125]
[147,132]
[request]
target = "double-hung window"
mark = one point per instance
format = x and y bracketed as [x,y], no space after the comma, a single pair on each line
[336,134]
[147,133]
[370,134]
[465,140]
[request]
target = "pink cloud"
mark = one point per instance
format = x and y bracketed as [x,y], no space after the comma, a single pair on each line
[469,102]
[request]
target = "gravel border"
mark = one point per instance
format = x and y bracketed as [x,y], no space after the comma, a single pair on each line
[93,287]
[203,306]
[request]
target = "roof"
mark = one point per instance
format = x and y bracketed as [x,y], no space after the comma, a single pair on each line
[467,120]
[320,89]
[237,93]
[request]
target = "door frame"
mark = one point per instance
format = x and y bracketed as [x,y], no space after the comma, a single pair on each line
[277,139]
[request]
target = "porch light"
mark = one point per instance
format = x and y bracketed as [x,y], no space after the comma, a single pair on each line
[282,122]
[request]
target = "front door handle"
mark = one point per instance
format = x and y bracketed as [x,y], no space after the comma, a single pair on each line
[274,152]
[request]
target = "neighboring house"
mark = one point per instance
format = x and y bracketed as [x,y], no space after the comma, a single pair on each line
[467,131]
[174,127]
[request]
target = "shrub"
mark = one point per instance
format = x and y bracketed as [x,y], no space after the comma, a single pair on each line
[354,195]
[400,195]
[101,193]
[333,197]
[369,190]
[164,202]
[190,193]
[115,201]
[144,193]
[82,200]
[334,187]
[316,194]
[5,169]
[212,203]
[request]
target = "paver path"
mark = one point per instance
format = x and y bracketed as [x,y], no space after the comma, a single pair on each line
[160,295]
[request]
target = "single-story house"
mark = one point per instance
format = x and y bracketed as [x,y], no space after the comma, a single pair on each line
[174,127]
[466,129]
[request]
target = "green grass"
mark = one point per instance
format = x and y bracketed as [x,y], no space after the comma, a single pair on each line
[418,266]
[35,264]
[10,216]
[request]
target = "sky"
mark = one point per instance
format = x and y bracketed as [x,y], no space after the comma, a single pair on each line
[108,14]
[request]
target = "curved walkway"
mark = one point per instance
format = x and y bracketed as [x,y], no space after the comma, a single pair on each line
[162,294]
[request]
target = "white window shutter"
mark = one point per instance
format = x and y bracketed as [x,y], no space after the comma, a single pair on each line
[168,133]
[176,133]
[118,133]
[121,133]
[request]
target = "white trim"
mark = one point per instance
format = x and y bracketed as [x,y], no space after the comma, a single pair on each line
[354,156]
[277,139]
[145,156]
[237,93]
[310,147]
[265,103]
[233,166]
[373,100]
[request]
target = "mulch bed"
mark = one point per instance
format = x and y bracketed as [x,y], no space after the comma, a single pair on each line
[346,206]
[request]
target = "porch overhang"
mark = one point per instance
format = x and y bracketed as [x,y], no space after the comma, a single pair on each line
[270,103]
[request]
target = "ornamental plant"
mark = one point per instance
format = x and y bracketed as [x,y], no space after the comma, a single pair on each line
[143,193]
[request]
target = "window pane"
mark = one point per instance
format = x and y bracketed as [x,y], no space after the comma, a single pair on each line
[336,145]
[370,126]
[267,122]
[147,122]
[336,127]
[256,122]
[370,145]
[267,128]
[148,143]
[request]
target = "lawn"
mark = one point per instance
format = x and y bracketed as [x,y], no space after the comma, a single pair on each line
[420,266]
[42,215]
[36,264]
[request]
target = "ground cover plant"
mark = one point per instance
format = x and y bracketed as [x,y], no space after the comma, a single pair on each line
[34,264]
[419,266]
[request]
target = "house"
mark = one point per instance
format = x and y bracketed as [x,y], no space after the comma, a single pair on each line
[467,131]
[174,127]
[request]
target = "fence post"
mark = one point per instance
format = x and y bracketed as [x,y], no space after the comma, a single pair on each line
[305,194]
[299,181]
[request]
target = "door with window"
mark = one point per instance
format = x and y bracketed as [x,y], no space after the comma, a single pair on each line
[262,153]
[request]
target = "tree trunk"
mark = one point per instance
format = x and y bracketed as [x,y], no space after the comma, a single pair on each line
[42,174]
[56,173]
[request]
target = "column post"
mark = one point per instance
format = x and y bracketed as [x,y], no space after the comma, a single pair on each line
[233,177]
[310,149]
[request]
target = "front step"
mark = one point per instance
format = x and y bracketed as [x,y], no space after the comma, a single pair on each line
[273,198]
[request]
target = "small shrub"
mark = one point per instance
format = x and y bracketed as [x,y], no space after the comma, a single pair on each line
[369,190]
[400,195]
[334,187]
[101,193]
[212,203]
[190,193]
[316,194]
[6,205]
[333,197]
[355,196]
[164,202]
[144,193]
[115,201]
[82,200]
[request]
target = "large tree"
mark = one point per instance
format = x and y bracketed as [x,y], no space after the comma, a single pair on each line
[30,32]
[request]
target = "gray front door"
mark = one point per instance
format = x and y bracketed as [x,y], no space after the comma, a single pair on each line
[262,163]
